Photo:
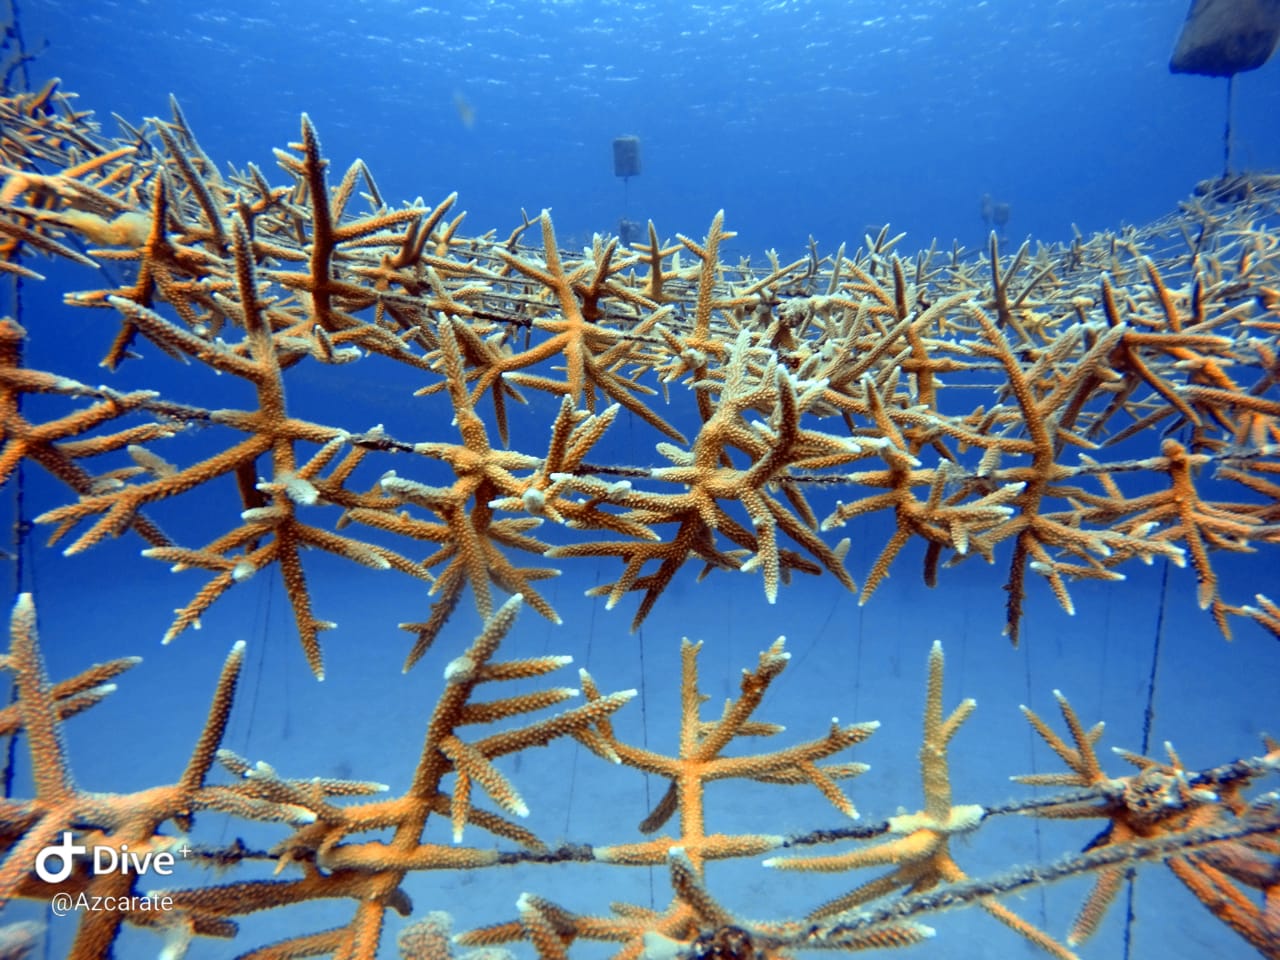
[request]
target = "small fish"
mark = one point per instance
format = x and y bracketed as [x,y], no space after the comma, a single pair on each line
[466,112]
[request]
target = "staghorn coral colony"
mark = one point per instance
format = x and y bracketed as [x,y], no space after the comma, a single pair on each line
[1061,412]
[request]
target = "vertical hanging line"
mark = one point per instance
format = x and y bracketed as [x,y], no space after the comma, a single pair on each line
[573,762]
[1148,719]
[20,539]
[644,696]
[857,665]
[23,578]
[1148,715]
[1226,133]
[644,740]
[18,546]
[1032,740]
[245,734]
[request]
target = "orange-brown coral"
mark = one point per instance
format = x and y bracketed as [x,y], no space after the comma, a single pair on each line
[796,376]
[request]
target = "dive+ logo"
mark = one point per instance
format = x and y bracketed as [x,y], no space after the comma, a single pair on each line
[105,860]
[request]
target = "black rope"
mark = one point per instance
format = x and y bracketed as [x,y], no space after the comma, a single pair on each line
[1259,818]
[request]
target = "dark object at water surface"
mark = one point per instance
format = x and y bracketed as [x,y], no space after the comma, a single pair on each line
[1221,38]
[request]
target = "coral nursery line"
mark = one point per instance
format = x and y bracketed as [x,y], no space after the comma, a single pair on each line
[1061,412]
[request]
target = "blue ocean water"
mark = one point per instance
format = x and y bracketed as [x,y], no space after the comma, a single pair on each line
[819,119]
[799,119]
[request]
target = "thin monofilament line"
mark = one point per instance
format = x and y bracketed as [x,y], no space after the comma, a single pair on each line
[1148,718]
[644,742]
[19,547]
[1226,132]
[1043,918]
[577,751]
